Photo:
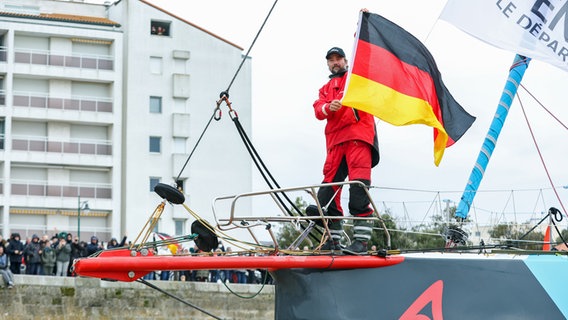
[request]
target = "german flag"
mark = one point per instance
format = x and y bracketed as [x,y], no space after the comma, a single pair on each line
[395,78]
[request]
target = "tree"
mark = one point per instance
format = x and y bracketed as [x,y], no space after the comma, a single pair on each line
[427,236]
[518,235]
[564,234]
[397,237]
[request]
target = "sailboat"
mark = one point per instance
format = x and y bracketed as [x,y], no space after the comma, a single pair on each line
[460,282]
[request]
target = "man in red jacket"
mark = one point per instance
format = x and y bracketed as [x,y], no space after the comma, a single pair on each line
[352,150]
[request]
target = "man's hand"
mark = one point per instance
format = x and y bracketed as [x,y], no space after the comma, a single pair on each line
[335,105]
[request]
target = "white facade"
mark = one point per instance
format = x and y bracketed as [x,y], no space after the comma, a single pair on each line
[97,106]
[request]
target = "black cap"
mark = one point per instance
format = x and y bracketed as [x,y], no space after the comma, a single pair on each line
[335,50]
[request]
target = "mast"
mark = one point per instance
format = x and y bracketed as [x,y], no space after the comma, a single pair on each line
[516,73]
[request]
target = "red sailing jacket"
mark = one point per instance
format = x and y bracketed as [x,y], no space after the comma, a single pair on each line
[347,123]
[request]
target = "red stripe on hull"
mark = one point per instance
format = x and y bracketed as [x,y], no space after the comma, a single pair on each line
[120,265]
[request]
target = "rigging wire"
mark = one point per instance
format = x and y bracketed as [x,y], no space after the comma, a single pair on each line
[196,144]
[252,44]
[217,113]
[265,172]
[540,155]
[142,281]
[542,106]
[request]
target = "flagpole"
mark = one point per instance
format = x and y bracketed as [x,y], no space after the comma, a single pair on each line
[516,73]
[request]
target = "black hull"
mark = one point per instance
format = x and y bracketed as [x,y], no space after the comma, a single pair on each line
[436,288]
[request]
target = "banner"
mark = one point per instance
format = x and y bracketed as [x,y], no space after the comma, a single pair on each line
[534,28]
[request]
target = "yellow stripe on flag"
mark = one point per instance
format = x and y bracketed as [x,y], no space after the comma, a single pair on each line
[394,107]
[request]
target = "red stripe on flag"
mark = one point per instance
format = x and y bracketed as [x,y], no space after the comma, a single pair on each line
[396,74]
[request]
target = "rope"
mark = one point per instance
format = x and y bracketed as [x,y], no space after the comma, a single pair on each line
[558,217]
[540,155]
[252,296]
[217,113]
[261,166]
[250,48]
[177,298]
[196,144]
[545,109]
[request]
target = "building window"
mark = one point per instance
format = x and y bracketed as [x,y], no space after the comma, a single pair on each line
[1,134]
[160,28]
[155,104]
[180,227]
[156,65]
[153,183]
[155,144]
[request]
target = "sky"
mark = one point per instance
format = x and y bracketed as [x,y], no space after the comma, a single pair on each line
[289,67]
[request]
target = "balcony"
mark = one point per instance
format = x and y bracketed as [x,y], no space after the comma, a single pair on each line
[75,103]
[3,54]
[43,144]
[46,189]
[59,59]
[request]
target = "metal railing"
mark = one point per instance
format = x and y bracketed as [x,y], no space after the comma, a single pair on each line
[77,103]
[73,146]
[47,189]
[233,221]
[63,59]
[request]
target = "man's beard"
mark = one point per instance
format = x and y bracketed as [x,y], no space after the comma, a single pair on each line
[338,70]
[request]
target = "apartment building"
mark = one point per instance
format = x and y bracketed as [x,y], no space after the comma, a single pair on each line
[99,103]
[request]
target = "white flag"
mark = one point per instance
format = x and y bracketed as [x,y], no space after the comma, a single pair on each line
[534,28]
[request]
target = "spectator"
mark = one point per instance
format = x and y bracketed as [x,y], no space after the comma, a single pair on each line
[230,275]
[94,246]
[3,242]
[185,275]
[78,249]
[113,243]
[4,270]
[241,273]
[202,275]
[69,239]
[15,250]
[217,275]
[33,253]
[25,257]
[48,258]
[63,255]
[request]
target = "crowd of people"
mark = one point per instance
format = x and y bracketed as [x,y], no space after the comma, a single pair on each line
[53,256]
[250,276]
[50,256]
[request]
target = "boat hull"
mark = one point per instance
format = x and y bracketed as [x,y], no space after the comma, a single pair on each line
[449,286]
